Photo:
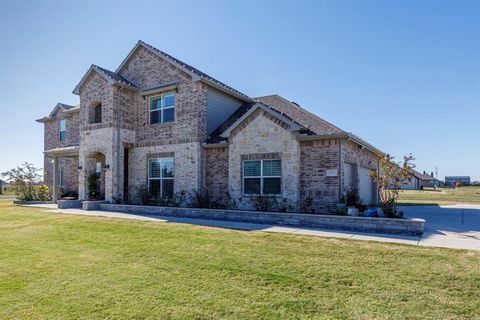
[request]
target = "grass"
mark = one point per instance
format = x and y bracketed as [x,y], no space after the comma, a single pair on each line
[61,266]
[441,196]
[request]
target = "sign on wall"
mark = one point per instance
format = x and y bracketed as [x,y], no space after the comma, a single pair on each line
[332,173]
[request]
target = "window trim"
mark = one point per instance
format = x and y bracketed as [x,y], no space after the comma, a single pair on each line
[60,131]
[161,173]
[162,107]
[261,177]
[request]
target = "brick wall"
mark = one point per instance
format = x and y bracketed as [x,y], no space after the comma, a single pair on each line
[216,171]
[316,157]
[145,70]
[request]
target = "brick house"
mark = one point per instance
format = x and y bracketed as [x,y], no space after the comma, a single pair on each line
[160,123]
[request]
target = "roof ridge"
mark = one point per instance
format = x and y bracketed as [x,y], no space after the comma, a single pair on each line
[298,106]
[184,65]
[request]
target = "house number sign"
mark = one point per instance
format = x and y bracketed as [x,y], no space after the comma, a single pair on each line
[332,173]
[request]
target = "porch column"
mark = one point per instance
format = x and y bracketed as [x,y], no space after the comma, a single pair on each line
[54,180]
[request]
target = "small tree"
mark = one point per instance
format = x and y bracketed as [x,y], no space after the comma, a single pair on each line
[24,179]
[390,179]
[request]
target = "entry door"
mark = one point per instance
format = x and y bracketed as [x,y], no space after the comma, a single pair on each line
[366,185]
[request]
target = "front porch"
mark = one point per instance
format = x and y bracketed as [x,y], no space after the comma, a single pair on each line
[64,172]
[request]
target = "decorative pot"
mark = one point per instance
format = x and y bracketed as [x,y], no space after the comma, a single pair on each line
[352,212]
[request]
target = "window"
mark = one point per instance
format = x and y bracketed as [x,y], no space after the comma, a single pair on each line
[97,113]
[162,108]
[160,177]
[62,178]
[62,130]
[262,177]
[98,170]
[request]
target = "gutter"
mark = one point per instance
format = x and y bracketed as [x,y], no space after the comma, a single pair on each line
[345,135]
[215,145]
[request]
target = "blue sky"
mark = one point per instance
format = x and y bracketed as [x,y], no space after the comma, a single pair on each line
[404,75]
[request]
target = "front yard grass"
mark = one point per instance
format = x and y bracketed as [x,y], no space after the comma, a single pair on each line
[441,196]
[61,266]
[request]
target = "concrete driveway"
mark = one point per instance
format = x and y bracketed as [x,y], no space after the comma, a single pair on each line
[453,226]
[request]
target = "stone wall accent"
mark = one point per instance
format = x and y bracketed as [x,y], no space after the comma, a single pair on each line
[216,171]
[104,141]
[187,166]
[145,70]
[361,224]
[316,157]
[262,135]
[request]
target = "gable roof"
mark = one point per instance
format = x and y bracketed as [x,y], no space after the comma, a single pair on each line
[62,106]
[222,132]
[316,124]
[110,76]
[197,74]
[422,176]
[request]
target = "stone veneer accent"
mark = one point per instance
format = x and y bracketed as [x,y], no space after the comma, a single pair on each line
[362,224]
[187,166]
[262,135]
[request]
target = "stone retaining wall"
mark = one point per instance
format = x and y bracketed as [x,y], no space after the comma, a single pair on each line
[382,225]
[69,204]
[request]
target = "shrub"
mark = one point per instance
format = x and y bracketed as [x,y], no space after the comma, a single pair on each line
[306,205]
[271,203]
[24,179]
[44,193]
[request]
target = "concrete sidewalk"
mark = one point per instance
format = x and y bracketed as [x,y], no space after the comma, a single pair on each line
[448,227]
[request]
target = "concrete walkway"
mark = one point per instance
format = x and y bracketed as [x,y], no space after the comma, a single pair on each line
[447,226]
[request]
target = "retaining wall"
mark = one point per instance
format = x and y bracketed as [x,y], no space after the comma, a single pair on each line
[382,225]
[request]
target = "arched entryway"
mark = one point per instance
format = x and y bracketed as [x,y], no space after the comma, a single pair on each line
[95,176]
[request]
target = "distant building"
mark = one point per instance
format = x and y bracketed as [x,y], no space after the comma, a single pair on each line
[419,181]
[452,180]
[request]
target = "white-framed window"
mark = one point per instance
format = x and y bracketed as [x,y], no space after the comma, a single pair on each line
[62,130]
[160,177]
[262,177]
[162,108]
[62,179]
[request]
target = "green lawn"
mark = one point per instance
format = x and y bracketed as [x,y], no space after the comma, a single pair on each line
[60,266]
[441,196]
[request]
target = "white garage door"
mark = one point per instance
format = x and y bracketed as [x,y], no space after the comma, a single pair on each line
[366,185]
[349,176]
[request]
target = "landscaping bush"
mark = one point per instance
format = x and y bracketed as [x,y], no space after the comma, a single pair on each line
[44,193]
[24,180]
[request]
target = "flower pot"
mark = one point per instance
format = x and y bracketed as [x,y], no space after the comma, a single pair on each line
[352,212]
[380,212]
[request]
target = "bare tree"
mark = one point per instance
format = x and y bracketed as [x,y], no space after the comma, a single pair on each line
[390,179]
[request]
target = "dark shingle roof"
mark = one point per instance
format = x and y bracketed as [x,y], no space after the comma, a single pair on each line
[190,68]
[215,136]
[302,116]
[114,76]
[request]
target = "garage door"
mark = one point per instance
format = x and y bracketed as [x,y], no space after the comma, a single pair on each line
[349,176]
[366,185]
